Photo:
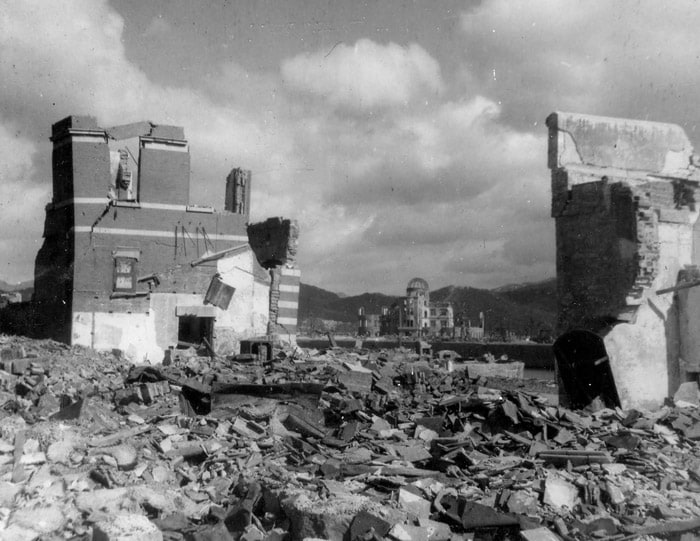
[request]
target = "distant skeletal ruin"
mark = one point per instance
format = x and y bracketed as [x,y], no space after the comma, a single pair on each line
[128,263]
[628,242]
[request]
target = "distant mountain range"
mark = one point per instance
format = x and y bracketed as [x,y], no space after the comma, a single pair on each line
[26,288]
[522,308]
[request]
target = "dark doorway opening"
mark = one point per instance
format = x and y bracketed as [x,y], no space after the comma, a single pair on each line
[584,369]
[195,331]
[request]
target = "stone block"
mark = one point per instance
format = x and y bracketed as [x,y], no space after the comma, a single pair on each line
[559,493]
[356,382]
[687,392]
[413,503]
[42,519]
[407,532]
[12,352]
[124,454]
[8,491]
[329,519]
[20,366]
[126,528]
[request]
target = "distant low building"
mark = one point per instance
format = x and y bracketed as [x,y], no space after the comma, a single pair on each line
[10,298]
[368,324]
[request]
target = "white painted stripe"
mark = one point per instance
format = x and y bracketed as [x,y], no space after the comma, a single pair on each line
[163,206]
[288,304]
[289,289]
[70,137]
[287,321]
[88,138]
[87,200]
[290,272]
[172,147]
[132,204]
[83,200]
[152,233]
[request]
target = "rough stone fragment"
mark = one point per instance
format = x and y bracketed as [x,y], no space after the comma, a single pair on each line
[539,534]
[615,494]
[614,469]
[414,504]
[252,533]
[687,392]
[325,519]
[437,531]
[475,516]
[115,500]
[276,534]
[559,493]
[29,459]
[523,503]
[126,528]
[366,522]
[42,519]
[59,451]
[8,491]
[356,382]
[15,532]
[406,532]
[124,454]
[20,366]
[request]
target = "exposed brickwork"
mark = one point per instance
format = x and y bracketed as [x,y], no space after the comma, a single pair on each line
[607,222]
[275,274]
[275,242]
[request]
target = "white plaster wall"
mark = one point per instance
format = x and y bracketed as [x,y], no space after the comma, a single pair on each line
[644,353]
[249,310]
[133,334]
[163,307]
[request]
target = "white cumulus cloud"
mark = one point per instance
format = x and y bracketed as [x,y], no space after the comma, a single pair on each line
[366,75]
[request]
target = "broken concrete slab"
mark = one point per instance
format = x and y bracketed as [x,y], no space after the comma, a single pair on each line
[559,493]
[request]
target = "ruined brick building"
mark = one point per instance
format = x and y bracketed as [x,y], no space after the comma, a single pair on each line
[416,315]
[128,263]
[624,197]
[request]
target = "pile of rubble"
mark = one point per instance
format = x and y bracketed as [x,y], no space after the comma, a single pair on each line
[336,444]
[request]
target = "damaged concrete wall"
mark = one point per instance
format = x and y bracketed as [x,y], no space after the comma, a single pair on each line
[623,196]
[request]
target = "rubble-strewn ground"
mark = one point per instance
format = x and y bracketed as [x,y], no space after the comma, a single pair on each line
[335,444]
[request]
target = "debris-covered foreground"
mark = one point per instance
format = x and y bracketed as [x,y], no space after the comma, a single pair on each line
[336,445]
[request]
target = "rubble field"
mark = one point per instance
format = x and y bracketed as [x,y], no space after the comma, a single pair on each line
[337,444]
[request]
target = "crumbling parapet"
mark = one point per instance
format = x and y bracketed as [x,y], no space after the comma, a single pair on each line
[623,197]
[275,242]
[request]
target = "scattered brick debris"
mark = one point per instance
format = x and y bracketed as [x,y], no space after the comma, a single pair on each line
[337,444]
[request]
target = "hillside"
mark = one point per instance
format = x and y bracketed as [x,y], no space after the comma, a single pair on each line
[26,288]
[518,313]
[541,295]
[319,303]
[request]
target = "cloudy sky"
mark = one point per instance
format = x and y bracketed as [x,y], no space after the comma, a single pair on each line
[406,137]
